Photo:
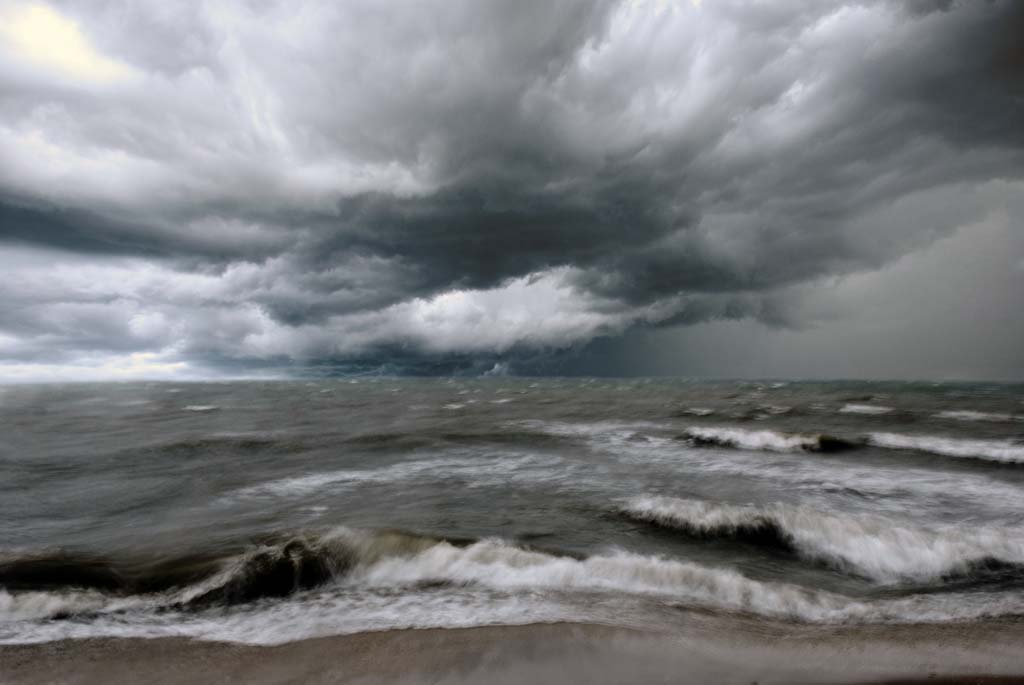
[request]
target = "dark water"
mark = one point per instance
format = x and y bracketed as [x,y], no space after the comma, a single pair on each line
[266,512]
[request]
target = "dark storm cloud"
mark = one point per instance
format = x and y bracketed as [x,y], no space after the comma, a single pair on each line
[210,239]
[283,181]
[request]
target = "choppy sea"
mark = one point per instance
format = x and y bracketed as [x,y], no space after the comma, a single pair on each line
[266,512]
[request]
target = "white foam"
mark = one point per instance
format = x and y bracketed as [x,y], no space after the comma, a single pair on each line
[402,582]
[868,409]
[1004,451]
[36,605]
[201,407]
[756,439]
[402,563]
[968,415]
[348,610]
[879,548]
[698,411]
[815,479]
[499,565]
[889,487]
[479,470]
[599,430]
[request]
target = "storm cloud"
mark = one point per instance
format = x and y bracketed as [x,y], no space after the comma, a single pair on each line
[229,185]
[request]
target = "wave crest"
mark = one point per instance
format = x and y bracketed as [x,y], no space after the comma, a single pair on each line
[865,409]
[500,565]
[1004,451]
[872,547]
[970,415]
[274,568]
[766,440]
[368,569]
[381,560]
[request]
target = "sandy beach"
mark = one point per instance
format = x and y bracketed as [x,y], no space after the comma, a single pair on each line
[714,651]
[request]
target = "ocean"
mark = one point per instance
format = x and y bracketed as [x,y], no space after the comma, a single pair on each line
[270,512]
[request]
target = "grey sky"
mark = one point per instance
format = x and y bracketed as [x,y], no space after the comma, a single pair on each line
[802,188]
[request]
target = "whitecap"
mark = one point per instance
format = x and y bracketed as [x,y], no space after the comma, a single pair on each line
[879,548]
[500,565]
[201,407]
[969,415]
[394,581]
[1004,451]
[866,409]
[478,470]
[765,440]
[37,605]
[698,411]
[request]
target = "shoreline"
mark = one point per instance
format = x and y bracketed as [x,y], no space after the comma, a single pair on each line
[711,649]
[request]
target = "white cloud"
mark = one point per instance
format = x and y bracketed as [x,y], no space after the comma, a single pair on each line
[130,303]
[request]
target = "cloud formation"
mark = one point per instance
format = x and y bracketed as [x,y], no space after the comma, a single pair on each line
[229,182]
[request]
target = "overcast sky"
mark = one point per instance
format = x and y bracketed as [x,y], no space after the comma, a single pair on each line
[767,188]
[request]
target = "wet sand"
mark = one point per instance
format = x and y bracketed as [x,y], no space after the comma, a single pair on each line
[713,650]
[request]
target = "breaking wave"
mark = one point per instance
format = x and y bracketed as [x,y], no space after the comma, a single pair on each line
[361,559]
[766,440]
[872,547]
[345,580]
[1004,451]
[498,564]
[61,584]
[51,605]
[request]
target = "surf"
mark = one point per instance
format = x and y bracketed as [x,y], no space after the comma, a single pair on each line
[874,547]
[1002,451]
[766,440]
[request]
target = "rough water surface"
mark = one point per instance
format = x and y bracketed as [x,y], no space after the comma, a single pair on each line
[270,512]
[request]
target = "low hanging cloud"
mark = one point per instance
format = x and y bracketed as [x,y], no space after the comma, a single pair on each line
[228,184]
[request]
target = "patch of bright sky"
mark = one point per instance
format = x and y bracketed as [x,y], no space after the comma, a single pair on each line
[46,38]
[139,365]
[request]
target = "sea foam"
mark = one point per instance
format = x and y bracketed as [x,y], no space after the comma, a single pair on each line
[768,440]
